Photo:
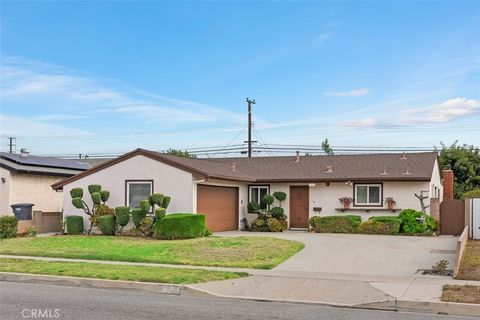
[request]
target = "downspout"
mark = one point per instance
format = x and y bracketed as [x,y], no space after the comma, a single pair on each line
[194,193]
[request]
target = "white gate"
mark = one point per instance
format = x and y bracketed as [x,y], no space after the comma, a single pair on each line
[474,205]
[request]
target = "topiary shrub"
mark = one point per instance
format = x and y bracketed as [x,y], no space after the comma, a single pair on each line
[104,195]
[335,224]
[146,226]
[475,193]
[122,216]
[253,207]
[268,199]
[280,196]
[156,199]
[166,201]
[74,225]
[76,193]
[106,224]
[77,203]
[278,213]
[137,216]
[97,198]
[145,205]
[93,188]
[8,227]
[377,227]
[160,213]
[181,226]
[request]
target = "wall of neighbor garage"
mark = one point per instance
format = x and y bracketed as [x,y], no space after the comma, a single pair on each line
[167,180]
[327,197]
[436,182]
[29,188]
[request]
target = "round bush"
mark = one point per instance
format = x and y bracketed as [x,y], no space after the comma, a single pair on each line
[268,199]
[94,188]
[104,195]
[157,198]
[277,213]
[137,216]
[122,215]
[74,225]
[76,193]
[8,227]
[106,224]
[97,198]
[253,207]
[77,203]
[280,195]
[181,226]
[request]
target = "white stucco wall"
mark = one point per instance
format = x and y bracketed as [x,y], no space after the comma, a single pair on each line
[29,188]
[436,183]
[166,179]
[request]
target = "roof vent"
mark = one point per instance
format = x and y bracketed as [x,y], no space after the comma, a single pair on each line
[329,169]
[384,173]
[404,156]
[24,152]
[407,171]
[234,165]
[297,159]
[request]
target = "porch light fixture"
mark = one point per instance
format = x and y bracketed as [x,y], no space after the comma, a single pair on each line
[350,183]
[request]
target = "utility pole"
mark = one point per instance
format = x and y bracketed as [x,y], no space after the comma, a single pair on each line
[11,143]
[250,102]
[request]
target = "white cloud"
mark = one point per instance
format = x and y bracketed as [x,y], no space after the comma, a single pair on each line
[361,92]
[448,110]
[365,122]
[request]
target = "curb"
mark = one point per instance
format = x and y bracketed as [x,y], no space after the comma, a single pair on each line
[438,307]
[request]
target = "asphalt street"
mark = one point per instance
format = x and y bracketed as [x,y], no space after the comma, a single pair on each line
[35,301]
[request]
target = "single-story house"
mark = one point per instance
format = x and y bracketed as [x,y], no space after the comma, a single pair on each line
[25,178]
[221,188]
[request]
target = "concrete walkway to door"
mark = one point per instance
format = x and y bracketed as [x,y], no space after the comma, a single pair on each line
[361,254]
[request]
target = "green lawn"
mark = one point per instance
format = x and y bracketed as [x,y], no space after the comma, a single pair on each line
[242,252]
[116,272]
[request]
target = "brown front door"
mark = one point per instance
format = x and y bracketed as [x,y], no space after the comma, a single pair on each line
[219,205]
[299,202]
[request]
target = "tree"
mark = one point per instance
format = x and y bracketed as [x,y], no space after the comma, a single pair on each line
[464,160]
[180,153]
[326,147]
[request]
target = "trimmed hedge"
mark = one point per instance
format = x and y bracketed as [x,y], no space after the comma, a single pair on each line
[475,193]
[277,213]
[335,224]
[122,215]
[145,205]
[378,227]
[76,193]
[137,216]
[392,224]
[74,225]
[94,188]
[160,213]
[8,227]
[181,226]
[106,224]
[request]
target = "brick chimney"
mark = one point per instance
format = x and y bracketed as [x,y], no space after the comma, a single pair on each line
[447,184]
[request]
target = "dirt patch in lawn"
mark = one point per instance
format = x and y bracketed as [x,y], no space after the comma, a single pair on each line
[470,264]
[464,294]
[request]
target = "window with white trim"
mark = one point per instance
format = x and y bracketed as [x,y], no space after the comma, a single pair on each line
[138,191]
[368,194]
[256,194]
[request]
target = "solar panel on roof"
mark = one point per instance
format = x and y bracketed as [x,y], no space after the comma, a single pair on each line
[44,161]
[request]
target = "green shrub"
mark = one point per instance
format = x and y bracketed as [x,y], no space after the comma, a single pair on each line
[137,216]
[97,198]
[8,227]
[412,222]
[181,226]
[104,195]
[106,224]
[277,213]
[267,223]
[146,226]
[94,188]
[280,195]
[475,193]
[253,207]
[157,199]
[160,213]
[378,227]
[122,215]
[268,199]
[145,205]
[74,225]
[336,224]
[393,223]
[77,203]
[276,225]
[76,193]
[166,201]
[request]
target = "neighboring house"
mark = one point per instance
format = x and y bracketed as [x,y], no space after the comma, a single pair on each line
[221,188]
[27,179]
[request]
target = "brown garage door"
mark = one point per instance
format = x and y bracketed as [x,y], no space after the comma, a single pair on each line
[219,205]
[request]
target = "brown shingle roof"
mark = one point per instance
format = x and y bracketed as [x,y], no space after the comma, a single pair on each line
[376,167]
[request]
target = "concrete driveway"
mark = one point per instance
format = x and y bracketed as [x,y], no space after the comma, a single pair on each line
[362,254]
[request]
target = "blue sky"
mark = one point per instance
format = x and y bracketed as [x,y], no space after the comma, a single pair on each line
[89,77]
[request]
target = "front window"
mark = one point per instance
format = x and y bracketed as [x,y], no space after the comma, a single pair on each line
[368,194]
[138,191]
[257,193]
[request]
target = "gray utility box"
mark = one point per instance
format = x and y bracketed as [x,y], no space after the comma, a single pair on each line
[22,211]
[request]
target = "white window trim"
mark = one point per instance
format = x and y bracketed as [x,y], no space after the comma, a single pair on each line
[257,187]
[127,191]
[368,185]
